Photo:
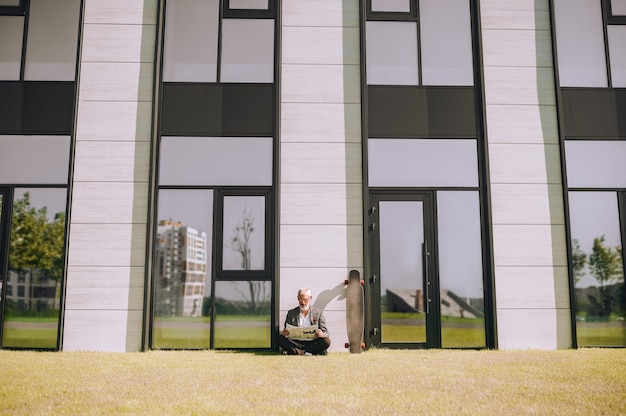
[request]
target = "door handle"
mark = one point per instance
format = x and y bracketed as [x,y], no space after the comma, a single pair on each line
[425,255]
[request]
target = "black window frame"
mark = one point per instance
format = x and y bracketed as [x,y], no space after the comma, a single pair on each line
[269,13]
[411,16]
[609,17]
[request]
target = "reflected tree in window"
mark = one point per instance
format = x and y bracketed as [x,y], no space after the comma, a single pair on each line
[256,298]
[605,265]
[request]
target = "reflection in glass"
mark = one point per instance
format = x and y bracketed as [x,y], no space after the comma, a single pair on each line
[597,264]
[12,34]
[580,41]
[244,233]
[20,164]
[618,7]
[391,6]
[243,314]
[617,52]
[32,303]
[422,162]
[248,4]
[182,268]
[446,42]
[216,161]
[460,269]
[52,40]
[247,50]
[391,53]
[595,163]
[190,51]
[401,271]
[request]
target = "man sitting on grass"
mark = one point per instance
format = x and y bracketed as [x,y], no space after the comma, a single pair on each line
[312,336]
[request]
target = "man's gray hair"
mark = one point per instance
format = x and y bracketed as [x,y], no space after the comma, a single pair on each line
[304,290]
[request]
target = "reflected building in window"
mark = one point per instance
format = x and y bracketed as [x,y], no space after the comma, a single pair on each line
[181,260]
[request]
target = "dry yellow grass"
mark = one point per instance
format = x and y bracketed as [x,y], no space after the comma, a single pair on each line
[377,382]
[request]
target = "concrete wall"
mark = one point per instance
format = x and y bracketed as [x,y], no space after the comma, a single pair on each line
[109,211]
[321,230]
[531,283]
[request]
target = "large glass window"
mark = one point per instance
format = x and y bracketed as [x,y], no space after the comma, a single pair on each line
[212,269]
[38,53]
[598,268]
[461,270]
[35,272]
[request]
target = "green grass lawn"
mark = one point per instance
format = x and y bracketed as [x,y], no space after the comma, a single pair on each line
[376,382]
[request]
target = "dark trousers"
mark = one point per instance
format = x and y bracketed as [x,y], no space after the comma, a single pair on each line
[318,346]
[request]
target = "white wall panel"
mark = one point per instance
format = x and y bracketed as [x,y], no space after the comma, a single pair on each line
[115,82]
[112,161]
[519,85]
[515,14]
[321,163]
[121,11]
[527,204]
[124,288]
[110,330]
[109,202]
[524,163]
[533,287]
[324,45]
[533,329]
[340,13]
[320,122]
[533,124]
[99,245]
[320,84]
[118,43]
[523,48]
[327,287]
[529,245]
[321,204]
[321,246]
[114,120]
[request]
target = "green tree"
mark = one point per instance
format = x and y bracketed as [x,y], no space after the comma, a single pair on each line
[606,266]
[36,245]
[579,261]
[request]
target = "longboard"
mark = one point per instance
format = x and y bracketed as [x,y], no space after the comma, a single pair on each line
[355,312]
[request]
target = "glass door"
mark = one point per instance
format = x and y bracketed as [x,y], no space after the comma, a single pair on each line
[404,295]
[3,244]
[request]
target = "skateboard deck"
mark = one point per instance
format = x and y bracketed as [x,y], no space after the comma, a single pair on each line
[355,311]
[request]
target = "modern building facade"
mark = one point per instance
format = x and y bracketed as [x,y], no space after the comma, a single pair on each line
[172,171]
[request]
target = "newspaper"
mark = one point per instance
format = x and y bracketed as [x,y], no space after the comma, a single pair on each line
[302,333]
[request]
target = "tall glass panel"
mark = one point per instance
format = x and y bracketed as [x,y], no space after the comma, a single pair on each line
[401,271]
[423,162]
[595,163]
[597,259]
[618,7]
[49,164]
[580,37]
[216,161]
[392,53]
[11,33]
[52,40]
[191,36]
[249,4]
[391,6]
[247,50]
[446,42]
[244,233]
[37,236]
[617,52]
[183,269]
[243,314]
[460,270]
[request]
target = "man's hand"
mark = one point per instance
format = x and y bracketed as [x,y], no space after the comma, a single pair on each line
[285,333]
[320,333]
